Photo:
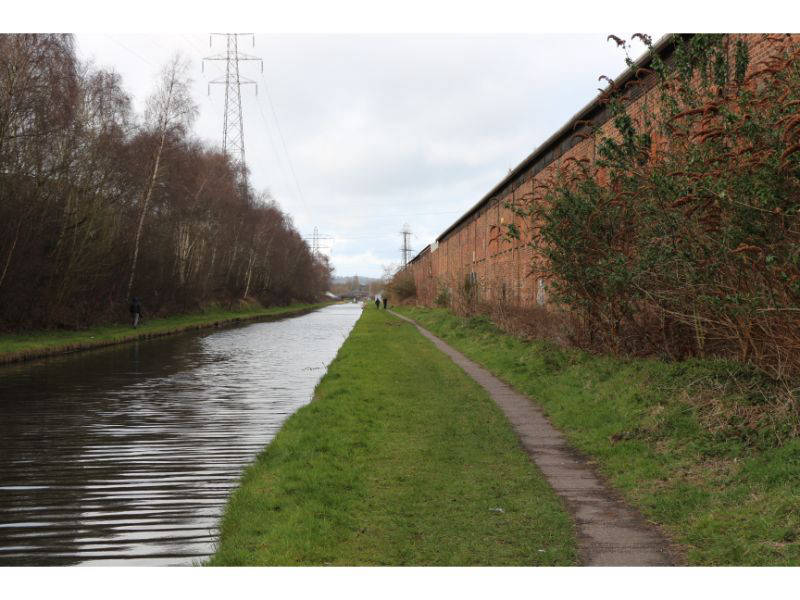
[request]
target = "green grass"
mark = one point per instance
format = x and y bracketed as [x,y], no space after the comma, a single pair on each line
[704,448]
[398,460]
[34,344]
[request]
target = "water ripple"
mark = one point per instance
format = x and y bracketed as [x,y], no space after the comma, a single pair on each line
[127,455]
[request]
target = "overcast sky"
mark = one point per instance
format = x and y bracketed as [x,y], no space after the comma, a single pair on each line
[361,127]
[358,134]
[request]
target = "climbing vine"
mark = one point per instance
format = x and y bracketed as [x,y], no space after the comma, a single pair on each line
[683,235]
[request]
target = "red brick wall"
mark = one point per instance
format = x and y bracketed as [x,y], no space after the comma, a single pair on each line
[507,269]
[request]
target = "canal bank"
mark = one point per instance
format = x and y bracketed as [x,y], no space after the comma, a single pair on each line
[30,345]
[400,459]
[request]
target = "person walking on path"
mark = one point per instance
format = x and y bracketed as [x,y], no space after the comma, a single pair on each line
[378,301]
[136,311]
[384,302]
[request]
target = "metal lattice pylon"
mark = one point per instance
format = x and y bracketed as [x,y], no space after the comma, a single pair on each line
[406,249]
[233,126]
[315,243]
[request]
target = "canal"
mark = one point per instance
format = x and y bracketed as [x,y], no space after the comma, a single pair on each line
[127,455]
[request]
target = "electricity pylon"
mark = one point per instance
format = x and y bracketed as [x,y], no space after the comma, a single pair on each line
[233,126]
[315,243]
[406,249]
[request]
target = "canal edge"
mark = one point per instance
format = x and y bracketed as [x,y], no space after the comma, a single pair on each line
[28,355]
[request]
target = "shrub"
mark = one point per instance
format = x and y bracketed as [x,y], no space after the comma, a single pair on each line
[443,296]
[684,236]
[466,300]
[402,286]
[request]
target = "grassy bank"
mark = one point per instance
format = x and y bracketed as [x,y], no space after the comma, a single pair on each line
[28,345]
[708,449]
[400,459]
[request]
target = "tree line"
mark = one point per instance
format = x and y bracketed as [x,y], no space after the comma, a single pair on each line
[98,204]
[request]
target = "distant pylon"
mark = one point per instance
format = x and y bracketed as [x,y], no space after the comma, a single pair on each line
[315,242]
[406,249]
[233,126]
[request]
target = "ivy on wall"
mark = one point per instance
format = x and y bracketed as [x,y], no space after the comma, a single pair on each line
[683,236]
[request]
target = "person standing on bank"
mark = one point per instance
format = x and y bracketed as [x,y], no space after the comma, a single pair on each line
[378,301]
[384,302]
[136,311]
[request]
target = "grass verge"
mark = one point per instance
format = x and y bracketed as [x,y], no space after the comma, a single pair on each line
[705,448]
[28,345]
[400,459]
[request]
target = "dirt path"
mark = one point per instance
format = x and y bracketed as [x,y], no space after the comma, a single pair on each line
[610,533]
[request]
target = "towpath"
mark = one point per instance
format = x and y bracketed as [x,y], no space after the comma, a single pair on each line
[610,532]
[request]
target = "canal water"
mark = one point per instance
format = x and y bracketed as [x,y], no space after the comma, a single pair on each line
[127,455]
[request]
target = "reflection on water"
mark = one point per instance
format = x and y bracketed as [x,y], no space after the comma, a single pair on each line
[127,455]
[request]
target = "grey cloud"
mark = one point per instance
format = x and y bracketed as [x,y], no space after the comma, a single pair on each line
[383,130]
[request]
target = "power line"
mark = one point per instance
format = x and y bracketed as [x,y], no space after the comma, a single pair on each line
[357,237]
[199,49]
[395,216]
[278,161]
[124,47]
[157,42]
[283,141]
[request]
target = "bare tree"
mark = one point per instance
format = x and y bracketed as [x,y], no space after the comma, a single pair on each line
[39,87]
[78,180]
[170,111]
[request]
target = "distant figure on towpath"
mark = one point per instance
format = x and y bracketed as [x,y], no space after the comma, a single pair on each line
[378,301]
[384,302]
[136,311]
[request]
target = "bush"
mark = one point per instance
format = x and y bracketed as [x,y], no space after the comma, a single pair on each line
[443,296]
[466,300]
[684,236]
[402,286]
